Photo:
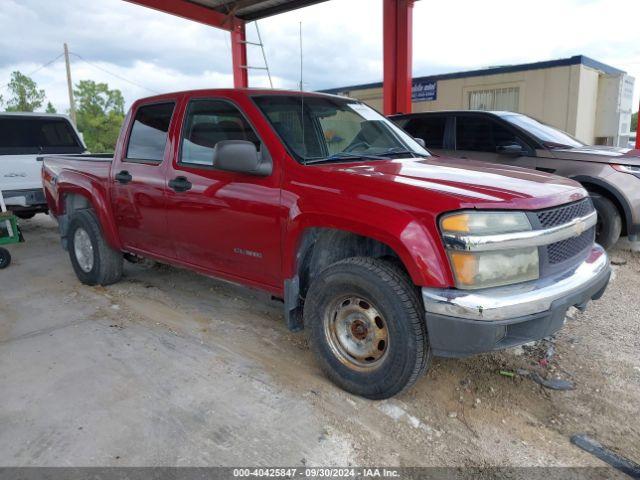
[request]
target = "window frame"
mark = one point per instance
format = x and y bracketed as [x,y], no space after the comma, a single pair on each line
[148,161]
[263,148]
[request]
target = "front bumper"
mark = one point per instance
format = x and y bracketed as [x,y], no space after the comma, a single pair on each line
[463,322]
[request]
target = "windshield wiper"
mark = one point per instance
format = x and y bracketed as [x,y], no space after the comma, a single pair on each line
[398,151]
[344,156]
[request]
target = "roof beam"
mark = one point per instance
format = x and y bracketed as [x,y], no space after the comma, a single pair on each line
[192,11]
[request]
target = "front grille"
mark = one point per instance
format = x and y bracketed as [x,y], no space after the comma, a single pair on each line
[572,250]
[561,215]
[560,251]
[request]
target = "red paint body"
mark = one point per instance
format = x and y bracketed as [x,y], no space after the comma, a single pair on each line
[396,202]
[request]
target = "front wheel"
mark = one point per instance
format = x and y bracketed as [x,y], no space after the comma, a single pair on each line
[94,262]
[25,215]
[609,225]
[366,327]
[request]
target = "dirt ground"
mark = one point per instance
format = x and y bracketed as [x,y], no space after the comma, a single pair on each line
[172,368]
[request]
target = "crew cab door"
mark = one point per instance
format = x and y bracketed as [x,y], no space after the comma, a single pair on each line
[137,181]
[480,137]
[222,221]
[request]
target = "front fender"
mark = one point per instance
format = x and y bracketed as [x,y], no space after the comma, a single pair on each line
[417,247]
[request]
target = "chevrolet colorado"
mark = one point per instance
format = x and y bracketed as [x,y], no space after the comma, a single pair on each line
[385,254]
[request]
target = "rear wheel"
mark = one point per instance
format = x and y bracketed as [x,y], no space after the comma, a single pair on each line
[5,258]
[366,326]
[609,225]
[94,262]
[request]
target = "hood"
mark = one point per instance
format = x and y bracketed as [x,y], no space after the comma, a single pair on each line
[599,154]
[471,184]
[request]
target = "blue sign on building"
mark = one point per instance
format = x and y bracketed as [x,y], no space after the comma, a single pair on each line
[422,91]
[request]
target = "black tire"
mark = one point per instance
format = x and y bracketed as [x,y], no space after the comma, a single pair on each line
[5,258]
[106,267]
[385,288]
[609,224]
[25,215]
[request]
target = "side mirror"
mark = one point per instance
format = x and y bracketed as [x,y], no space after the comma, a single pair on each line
[512,149]
[421,142]
[242,157]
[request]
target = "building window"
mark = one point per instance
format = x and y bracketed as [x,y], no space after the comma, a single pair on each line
[495,99]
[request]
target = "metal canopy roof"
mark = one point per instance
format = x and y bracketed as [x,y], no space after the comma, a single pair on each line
[249,10]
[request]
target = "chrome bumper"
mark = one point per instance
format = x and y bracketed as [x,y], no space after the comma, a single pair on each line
[515,301]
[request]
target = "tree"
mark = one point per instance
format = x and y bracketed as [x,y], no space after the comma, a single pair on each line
[24,95]
[99,113]
[50,108]
[634,122]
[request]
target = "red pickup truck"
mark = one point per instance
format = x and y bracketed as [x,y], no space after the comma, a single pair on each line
[385,254]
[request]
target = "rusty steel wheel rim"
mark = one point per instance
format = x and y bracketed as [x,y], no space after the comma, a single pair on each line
[356,332]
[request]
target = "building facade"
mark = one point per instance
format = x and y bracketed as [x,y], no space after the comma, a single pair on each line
[588,99]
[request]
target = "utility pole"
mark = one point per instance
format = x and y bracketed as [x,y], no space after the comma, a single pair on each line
[72,105]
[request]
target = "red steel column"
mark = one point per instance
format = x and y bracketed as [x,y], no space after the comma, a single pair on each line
[397,52]
[638,134]
[239,56]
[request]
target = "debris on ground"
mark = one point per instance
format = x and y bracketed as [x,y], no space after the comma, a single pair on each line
[552,383]
[618,261]
[507,373]
[594,447]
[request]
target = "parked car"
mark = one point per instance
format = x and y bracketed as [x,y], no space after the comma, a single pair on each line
[23,138]
[610,174]
[385,254]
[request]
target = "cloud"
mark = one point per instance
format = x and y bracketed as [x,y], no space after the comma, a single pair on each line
[342,42]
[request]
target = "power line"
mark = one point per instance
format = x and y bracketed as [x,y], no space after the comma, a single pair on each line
[44,65]
[124,79]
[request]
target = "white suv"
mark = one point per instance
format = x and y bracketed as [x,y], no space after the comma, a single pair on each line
[23,138]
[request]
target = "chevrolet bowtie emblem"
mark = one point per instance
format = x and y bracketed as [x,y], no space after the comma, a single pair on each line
[580,228]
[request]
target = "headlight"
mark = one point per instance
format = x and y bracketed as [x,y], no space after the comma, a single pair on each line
[627,169]
[489,268]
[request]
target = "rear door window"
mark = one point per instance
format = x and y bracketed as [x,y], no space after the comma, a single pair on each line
[34,135]
[430,129]
[148,136]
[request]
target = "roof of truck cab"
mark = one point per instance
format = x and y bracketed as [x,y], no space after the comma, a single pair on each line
[34,114]
[245,91]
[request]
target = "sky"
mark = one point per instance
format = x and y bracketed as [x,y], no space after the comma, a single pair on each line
[143,52]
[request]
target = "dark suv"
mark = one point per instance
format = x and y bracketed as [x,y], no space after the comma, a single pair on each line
[610,174]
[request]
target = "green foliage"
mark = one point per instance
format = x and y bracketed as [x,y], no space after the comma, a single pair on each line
[634,122]
[50,108]
[24,95]
[99,113]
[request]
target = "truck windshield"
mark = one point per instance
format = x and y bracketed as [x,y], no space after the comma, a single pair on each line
[24,135]
[551,137]
[322,129]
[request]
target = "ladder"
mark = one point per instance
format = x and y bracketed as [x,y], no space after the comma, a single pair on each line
[264,55]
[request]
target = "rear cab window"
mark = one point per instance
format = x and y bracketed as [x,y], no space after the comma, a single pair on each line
[25,135]
[148,137]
